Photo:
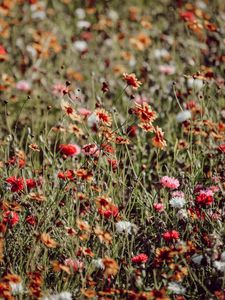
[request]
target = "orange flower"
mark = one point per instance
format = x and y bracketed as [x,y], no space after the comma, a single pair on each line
[84,174]
[131,80]
[111,266]
[83,225]
[48,241]
[57,267]
[75,130]
[144,112]
[103,116]
[103,236]
[158,140]
[148,127]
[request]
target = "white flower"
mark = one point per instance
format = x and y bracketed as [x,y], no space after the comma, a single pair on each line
[197,258]
[61,296]
[176,288]
[124,226]
[80,13]
[182,214]
[65,296]
[83,24]
[219,265]
[222,256]
[80,46]
[98,263]
[196,84]
[92,120]
[17,288]
[158,53]
[177,202]
[113,15]
[183,116]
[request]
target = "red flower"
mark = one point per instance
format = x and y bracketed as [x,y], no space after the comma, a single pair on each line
[187,16]
[109,211]
[158,207]
[31,220]
[132,131]
[11,218]
[68,174]
[171,235]
[140,258]
[16,184]
[69,149]
[31,183]
[204,198]
[221,148]
[16,160]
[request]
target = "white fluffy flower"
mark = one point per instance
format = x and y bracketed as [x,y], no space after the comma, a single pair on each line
[219,265]
[17,288]
[182,214]
[176,288]
[124,226]
[83,24]
[197,258]
[80,46]
[222,256]
[183,116]
[177,202]
[98,263]
[61,296]
[80,13]
[196,84]
[92,120]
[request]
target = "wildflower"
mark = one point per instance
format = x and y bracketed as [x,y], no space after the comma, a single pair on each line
[67,175]
[177,202]
[169,182]
[204,198]
[144,113]
[16,184]
[110,210]
[70,111]
[31,183]
[183,116]
[187,16]
[158,207]
[69,149]
[197,258]
[182,214]
[196,84]
[98,264]
[59,89]
[131,80]
[125,226]
[76,265]
[111,266]
[171,235]
[140,258]
[31,220]
[11,218]
[179,194]
[176,288]
[91,150]
[23,86]
[47,240]
[103,236]
[34,147]
[219,265]
[80,46]
[132,131]
[158,140]
[167,69]
[221,148]
[17,288]
[103,116]
[75,130]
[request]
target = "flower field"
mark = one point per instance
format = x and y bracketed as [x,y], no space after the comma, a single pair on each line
[112,149]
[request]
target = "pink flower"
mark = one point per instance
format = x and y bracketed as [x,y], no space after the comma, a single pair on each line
[74,264]
[140,258]
[141,99]
[59,89]
[158,207]
[84,112]
[169,182]
[167,69]
[91,149]
[179,194]
[23,86]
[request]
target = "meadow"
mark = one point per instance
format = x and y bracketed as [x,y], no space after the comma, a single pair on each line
[112,149]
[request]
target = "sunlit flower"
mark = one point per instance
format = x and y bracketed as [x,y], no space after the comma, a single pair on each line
[131,80]
[169,182]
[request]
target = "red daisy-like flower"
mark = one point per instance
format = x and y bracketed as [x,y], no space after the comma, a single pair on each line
[69,149]
[11,218]
[140,258]
[17,184]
